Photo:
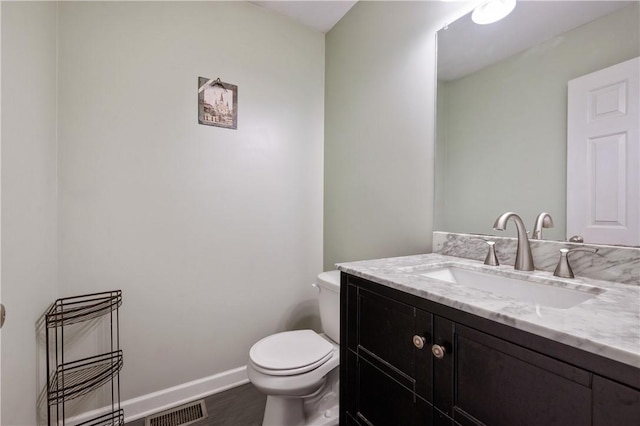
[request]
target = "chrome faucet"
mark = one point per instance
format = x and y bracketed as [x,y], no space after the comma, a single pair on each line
[542,221]
[524,259]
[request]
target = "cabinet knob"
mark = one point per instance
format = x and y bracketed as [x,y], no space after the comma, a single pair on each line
[438,351]
[418,341]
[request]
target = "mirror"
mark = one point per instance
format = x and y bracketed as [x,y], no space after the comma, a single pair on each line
[501,121]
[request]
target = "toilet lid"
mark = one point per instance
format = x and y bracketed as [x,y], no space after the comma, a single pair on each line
[300,350]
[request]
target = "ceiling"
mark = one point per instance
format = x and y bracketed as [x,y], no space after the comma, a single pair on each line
[465,47]
[531,22]
[317,14]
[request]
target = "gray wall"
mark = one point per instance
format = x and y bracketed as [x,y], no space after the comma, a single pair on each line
[379,129]
[29,251]
[502,140]
[214,235]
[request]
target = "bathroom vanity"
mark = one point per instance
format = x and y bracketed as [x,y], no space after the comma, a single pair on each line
[418,350]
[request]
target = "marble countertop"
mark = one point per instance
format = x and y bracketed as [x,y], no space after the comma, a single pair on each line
[607,324]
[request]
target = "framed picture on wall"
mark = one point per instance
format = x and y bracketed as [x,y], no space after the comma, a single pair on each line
[217,103]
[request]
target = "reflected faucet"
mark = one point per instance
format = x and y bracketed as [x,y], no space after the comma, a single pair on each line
[542,221]
[524,259]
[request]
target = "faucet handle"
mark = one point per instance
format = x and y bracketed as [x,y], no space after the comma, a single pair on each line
[563,270]
[491,258]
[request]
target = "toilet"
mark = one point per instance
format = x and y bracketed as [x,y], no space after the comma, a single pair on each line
[298,370]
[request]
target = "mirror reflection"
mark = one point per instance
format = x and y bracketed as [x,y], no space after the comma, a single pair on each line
[501,138]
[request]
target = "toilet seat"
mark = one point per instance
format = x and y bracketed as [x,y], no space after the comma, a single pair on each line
[290,353]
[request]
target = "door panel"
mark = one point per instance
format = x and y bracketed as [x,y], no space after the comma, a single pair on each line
[614,404]
[603,155]
[501,384]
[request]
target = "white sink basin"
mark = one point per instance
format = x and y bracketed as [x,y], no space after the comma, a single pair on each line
[522,290]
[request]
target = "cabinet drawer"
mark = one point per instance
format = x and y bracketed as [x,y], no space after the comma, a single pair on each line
[382,401]
[501,384]
[385,329]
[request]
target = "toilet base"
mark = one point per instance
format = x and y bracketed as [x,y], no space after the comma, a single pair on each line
[281,411]
[319,409]
[323,409]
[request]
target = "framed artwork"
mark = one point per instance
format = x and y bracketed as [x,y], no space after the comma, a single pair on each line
[217,103]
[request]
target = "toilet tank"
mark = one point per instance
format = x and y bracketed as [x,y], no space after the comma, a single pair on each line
[329,301]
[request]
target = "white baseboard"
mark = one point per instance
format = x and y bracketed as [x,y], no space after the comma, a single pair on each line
[142,406]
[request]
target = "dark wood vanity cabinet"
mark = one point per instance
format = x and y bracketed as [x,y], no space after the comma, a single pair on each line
[382,360]
[390,376]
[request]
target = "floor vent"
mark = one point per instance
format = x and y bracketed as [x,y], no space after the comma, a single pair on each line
[180,416]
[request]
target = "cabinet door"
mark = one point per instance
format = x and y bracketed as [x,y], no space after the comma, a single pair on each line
[615,404]
[382,401]
[386,330]
[498,383]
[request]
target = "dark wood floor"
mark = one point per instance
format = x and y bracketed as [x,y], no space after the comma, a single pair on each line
[241,406]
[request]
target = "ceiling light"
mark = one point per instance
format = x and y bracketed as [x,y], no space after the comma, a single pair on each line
[492,11]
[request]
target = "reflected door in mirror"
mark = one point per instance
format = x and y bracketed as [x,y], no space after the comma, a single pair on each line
[603,155]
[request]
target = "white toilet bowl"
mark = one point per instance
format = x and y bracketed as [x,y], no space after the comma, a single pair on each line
[287,389]
[298,369]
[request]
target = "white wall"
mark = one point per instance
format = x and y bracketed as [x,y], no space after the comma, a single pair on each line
[29,254]
[379,129]
[214,235]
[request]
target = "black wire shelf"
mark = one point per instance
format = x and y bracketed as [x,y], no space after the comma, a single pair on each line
[72,310]
[72,378]
[115,418]
[77,378]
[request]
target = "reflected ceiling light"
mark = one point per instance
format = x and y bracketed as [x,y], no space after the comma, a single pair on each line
[492,11]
